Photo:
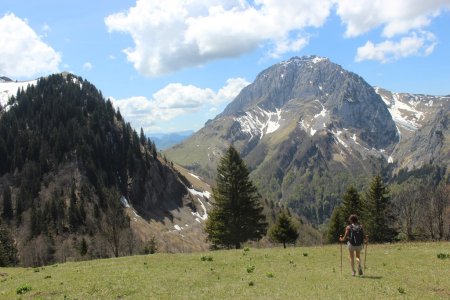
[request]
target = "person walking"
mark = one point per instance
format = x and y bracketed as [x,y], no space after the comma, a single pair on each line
[354,234]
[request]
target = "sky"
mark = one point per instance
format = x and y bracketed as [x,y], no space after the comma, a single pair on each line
[170,65]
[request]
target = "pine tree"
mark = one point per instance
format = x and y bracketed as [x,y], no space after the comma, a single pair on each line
[284,230]
[237,215]
[378,216]
[336,226]
[7,204]
[351,203]
[142,138]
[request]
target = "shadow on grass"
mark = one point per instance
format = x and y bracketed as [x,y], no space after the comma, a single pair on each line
[371,277]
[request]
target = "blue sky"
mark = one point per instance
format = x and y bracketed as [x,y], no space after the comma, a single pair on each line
[172,65]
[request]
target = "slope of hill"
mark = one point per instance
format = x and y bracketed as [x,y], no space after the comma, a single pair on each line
[71,164]
[307,128]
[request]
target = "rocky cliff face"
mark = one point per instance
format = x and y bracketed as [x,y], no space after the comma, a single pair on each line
[422,123]
[322,93]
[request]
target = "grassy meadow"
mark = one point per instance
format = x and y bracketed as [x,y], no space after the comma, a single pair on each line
[394,271]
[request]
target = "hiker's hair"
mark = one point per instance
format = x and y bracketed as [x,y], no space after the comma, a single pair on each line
[353,219]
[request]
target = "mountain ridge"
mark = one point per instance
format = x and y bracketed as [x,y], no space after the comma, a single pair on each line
[76,171]
[307,128]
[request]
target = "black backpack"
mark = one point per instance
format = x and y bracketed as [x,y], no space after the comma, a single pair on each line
[356,235]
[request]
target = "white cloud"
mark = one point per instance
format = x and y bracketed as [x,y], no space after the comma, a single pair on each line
[422,43]
[22,52]
[230,90]
[175,100]
[406,20]
[87,66]
[396,17]
[289,45]
[174,34]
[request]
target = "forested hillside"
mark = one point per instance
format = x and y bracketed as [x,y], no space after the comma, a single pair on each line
[68,163]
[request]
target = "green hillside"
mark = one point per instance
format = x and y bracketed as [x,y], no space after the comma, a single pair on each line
[394,271]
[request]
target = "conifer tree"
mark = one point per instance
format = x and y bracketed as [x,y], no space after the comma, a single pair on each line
[237,215]
[351,203]
[284,231]
[336,226]
[7,204]
[142,138]
[378,216]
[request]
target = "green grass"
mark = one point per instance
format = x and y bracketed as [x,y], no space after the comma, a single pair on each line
[396,271]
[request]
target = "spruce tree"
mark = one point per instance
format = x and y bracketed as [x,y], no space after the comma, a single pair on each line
[351,203]
[284,231]
[336,226]
[378,216]
[7,204]
[237,215]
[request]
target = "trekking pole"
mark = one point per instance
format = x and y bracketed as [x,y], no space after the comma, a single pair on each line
[365,253]
[340,242]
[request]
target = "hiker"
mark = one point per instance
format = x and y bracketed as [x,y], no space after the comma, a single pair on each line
[355,235]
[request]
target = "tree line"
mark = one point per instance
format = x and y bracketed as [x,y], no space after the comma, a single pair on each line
[408,209]
[67,156]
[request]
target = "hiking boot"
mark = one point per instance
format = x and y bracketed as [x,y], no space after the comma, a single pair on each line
[360,271]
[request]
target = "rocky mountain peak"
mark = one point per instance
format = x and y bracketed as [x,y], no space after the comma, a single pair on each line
[318,94]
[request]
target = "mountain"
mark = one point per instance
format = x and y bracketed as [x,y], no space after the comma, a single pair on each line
[4,79]
[423,125]
[79,177]
[167,140]
[307,128]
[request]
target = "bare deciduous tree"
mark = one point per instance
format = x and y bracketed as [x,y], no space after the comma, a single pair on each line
[407,201]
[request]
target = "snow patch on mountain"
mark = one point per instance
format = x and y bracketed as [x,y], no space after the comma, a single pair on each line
[336,135]
[273,123]
[200,195]
[404,108]
[322,113]
[318,122]
[317,59]
[259,122]
[10,88]
[195,176]
[307,128]
[124,201]
[302,60]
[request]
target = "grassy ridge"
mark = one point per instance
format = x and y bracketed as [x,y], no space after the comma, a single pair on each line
[397,271]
